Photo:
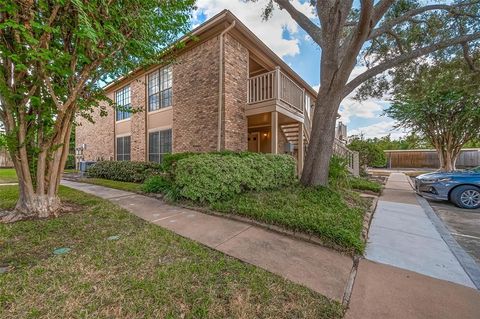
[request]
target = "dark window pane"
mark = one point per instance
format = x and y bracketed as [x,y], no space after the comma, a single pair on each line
[123,148]
[160,143]
[120,145]
[122,100]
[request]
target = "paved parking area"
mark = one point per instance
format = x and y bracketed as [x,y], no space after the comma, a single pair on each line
[463,224]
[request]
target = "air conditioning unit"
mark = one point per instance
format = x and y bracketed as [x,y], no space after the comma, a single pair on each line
[289,147]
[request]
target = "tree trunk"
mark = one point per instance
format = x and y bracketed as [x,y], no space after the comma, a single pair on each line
[38,206]
[448,160]
[320,148]
[40,200]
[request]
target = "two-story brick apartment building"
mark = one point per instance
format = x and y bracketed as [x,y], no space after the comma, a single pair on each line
[225,90]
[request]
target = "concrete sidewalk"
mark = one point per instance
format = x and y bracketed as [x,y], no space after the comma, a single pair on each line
[320,269]
[402,235]
[383,291]
[379,291]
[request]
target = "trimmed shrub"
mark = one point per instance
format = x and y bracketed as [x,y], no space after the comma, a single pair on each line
[156,184]
[169,160]
[338,171]
[70,164]
[213,176]
[124,171]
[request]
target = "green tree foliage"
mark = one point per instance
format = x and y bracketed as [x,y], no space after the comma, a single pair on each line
[383,35]
[55,56]
[369,152]
[441,102]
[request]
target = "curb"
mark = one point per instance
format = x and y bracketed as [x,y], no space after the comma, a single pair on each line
[466,261]
[367,221]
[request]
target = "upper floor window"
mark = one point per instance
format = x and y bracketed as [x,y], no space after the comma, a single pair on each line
[122,100]
[123,148]
[160,89]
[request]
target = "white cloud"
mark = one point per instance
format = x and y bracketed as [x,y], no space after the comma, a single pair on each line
[379,129]
[271,31]
[368,109]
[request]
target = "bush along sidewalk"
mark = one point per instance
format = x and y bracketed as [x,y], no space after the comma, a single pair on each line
[260,187]
[264,188]
[124,171]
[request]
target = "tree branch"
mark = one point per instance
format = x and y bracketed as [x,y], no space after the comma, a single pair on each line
[468,58]
[311,28]
[389,24]
[376,70]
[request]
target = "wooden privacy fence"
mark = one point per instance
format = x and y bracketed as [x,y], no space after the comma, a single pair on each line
[427,158]
[5,159]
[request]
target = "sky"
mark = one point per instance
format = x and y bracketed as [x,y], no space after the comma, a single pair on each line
[297,49]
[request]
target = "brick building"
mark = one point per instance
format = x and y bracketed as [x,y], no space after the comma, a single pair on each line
[224,90]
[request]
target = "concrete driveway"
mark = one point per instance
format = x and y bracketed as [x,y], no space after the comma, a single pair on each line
[463,224]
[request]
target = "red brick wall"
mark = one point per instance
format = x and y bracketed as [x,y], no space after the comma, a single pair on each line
[195,105]
[195,99]
[235,95]
[138,141]
[97,136]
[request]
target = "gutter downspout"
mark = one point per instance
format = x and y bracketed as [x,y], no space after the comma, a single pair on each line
[220,86]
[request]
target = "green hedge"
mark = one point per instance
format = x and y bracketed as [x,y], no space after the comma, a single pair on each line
[70,164]
[213,176]
[124,171]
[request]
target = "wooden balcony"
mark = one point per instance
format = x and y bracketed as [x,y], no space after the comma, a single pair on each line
[275,91]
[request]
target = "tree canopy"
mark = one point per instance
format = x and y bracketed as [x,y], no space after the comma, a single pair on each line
[440,101]
[383,35]
[55,56]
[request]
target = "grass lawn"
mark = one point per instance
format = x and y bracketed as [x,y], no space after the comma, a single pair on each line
[8,175]
[148,273]
[124,186]
[336,216]
[364,184]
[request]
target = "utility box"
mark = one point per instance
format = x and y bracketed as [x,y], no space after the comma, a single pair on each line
[84,165]
[289,148]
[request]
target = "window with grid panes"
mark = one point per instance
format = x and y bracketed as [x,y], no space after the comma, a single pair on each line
[160,143]
[123,148]
[122,100]
[160,89]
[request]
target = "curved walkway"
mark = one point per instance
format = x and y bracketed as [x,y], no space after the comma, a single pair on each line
[379,290]
[320,269]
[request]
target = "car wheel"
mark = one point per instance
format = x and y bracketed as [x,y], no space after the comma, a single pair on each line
[466,197]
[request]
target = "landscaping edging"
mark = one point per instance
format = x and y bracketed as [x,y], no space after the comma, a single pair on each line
[367,219]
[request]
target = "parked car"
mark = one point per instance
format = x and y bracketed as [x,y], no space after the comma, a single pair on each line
[460,187]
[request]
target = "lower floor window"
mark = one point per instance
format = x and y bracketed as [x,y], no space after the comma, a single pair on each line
[123,148]
[160,143]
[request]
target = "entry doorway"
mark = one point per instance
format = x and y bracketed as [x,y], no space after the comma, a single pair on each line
[254,142]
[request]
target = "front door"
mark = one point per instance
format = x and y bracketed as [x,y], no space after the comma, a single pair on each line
[254,142]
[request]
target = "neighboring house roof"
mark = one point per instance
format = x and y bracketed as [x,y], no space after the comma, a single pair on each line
[226,17]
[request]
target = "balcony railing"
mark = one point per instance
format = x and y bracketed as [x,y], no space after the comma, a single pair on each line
[276,85]
[351,157]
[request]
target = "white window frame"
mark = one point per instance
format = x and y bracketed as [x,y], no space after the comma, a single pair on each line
[160,154]
[123,154]
[160,85]
[125,95]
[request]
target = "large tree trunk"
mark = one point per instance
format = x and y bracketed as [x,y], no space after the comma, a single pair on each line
[38,197]
[320,148]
